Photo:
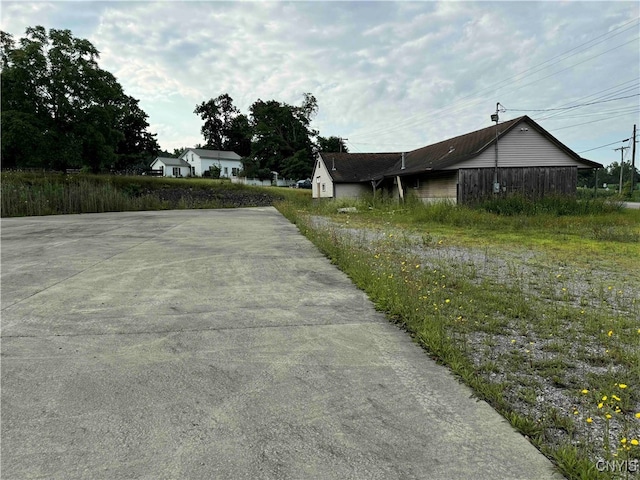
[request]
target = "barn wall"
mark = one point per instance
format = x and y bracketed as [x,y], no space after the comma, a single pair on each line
[476,184]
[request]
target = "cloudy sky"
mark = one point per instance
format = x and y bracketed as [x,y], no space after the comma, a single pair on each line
[388,76]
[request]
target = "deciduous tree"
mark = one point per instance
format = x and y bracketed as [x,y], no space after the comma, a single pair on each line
[76,113]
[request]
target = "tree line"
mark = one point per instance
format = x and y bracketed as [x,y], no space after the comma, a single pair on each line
[273,137]
[60,110]
[609,176]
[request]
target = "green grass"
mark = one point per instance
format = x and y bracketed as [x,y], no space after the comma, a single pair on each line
[529,309]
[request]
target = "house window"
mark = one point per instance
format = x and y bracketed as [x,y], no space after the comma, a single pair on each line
[234,172]
[193,171]
[226,171]
[176,171]
[324,189]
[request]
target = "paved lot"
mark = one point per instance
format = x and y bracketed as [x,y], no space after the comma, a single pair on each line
[219,344]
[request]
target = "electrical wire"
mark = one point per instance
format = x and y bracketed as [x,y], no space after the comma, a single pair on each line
[569,108]
[603,146]
[415,119]
[588,123]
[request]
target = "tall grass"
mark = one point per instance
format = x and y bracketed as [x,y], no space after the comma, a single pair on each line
[32,193]
[551,205]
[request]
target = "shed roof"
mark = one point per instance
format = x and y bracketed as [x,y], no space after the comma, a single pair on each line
[171,162]
[357,167]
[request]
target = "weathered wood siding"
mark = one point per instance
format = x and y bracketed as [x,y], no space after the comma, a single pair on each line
[476,184]
[434,187]
[522,147]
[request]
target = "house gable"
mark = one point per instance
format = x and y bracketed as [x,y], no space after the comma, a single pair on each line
[452,153]
[323,185]
[524,146]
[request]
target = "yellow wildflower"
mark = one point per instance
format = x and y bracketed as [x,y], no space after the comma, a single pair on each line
[634,442]
[589,420]
[610,332]
[585,391]
[623,385]
[616,398]
[638,415]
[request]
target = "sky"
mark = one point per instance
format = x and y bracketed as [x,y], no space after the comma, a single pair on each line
[388,76]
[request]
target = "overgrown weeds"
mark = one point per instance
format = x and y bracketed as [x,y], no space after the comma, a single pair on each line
[32,193]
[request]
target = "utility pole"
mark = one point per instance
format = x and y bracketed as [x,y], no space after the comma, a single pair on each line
[495,118]
[633,161]
[622,149]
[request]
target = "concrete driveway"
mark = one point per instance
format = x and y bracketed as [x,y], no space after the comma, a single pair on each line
[203,344]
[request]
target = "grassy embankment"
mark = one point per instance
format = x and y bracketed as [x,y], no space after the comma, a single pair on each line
[27,194]
[537,308]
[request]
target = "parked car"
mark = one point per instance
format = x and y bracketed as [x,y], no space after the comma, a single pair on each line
[303,183]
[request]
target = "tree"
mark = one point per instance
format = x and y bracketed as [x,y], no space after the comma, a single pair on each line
[224,128]
[75,113]
[179,151]
[283,139]
[332,145]
[137,145]
[239,136]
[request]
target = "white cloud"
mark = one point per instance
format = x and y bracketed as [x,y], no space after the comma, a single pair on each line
[384,73]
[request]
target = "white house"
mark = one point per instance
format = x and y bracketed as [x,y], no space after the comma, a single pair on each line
[171,167]
[200,160]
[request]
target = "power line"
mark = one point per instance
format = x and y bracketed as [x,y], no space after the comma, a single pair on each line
[592,121]
[602,146]
[621,111]
[415,119]
[569,108]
